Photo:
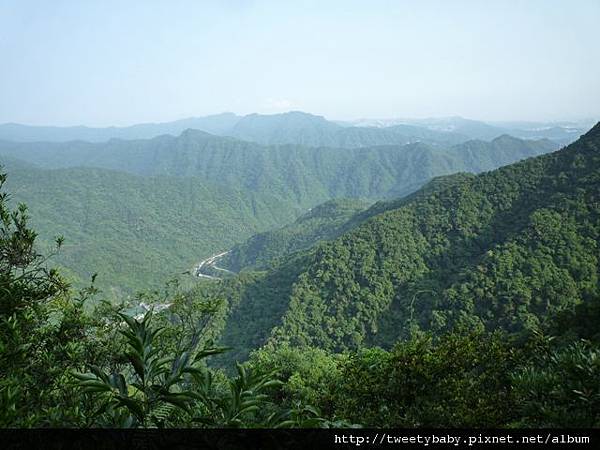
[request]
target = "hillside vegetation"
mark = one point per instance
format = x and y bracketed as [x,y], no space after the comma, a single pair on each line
[508,249]
[174,201]
[322,222]
[138,232]
[308,174]
[473,302]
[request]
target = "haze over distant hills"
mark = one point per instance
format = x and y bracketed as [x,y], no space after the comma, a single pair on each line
[307,129]
[390,220]
[562,132]
[174,200]
[216,124]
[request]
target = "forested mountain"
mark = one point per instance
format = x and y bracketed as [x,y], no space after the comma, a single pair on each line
[322,222]
[259,187]
[380,263]
[482,290]
[308,174]
[136,232]
[510,249]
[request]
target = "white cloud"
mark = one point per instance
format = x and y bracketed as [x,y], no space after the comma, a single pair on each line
[278,104]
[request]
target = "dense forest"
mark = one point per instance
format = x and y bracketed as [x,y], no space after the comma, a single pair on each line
[323,222]
[472,302]
[173,201]
[135,232]
[506,249]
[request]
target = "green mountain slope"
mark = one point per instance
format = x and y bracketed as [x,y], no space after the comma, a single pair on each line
[509,248]
[323,222]
[213,191]
[134,231]
[309,175]
[266,249]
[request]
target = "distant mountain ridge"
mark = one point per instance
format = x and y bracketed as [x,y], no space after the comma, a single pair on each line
[215,124]
[260,187]
[315,131]
[308,174]
[296,127]
[561,132]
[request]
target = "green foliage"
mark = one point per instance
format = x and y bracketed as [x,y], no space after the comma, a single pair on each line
[507,249]
[137,232]
[305,175]
[460,283]
[184,198]
[308,374]
[560,388]
[462,380]
[24,281]
[160,388]
[258,296]
[240,406]
[156,380]
[264,250]
[43,330]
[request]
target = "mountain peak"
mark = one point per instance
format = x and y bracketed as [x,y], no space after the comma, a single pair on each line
[286,115]
[194,132]
[505,138]
[593,133]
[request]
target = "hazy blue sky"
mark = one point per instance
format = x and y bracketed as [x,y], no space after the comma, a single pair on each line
[122,62]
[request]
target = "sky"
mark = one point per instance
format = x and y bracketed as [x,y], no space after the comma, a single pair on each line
[102,63]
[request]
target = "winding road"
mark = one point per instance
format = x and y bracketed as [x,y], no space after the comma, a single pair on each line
[199,271]
[210,263]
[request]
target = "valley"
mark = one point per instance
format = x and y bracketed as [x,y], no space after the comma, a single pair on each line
[318,263]
[209,265]
[343,268]
[273,224]
[215,192]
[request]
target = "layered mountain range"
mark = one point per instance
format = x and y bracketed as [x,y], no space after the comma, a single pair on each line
[175,200]
[510,249]
[431,283]
[297,127]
